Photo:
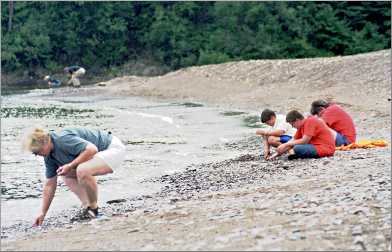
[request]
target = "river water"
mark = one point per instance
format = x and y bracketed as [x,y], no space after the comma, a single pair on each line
[161,138]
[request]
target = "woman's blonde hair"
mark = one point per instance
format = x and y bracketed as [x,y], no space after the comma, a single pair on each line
[35,139]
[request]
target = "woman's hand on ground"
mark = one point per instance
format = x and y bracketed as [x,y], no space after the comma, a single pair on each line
[39,220]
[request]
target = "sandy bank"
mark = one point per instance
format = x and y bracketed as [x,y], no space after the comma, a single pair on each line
[362,81]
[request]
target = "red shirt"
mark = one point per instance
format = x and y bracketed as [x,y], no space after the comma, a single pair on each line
[322,138]
[338,119]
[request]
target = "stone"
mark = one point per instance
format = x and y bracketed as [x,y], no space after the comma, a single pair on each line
[357,230]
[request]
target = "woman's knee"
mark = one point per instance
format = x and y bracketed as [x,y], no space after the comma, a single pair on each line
[83,171]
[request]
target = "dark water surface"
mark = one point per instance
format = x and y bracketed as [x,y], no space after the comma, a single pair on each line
[161,138]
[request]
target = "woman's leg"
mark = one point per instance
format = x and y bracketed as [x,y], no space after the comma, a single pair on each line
[73,184]
[85,175]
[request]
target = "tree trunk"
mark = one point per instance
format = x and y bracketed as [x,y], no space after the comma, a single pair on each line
[11,13]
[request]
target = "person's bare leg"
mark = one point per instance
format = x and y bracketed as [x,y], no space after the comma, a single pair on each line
[85,175]
[266,147]
[75,81]
[77,189]
[90,185]
[274,141]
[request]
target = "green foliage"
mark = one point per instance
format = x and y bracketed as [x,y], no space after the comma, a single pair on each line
[207,58]
[180,34]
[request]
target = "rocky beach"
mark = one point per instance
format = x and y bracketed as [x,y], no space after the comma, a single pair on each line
[244,202]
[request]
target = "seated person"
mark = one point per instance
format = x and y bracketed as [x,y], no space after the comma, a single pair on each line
[313,138]
[337,119]
[52,82]
[279,130]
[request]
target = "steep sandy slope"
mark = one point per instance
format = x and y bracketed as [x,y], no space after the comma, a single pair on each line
[362,82]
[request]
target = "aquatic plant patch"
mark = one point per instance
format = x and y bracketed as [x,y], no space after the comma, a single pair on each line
[52,111]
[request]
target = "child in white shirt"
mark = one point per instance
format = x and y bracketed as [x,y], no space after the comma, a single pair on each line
[278,132]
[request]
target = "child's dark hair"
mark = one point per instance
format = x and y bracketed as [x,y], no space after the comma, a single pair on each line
[317,106]
[293,115]
[266,115]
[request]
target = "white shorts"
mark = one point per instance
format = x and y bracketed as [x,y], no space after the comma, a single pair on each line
[81,71]
[114,154]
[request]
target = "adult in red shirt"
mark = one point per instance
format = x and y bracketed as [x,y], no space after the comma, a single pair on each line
[337,119]
[312,140]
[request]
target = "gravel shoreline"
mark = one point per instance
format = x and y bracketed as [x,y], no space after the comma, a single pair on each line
[336,203]
[244,203]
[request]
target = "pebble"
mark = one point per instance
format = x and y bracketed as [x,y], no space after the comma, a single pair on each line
[133,231]
[362,210]
[337,222]
[357,230]
[358,240]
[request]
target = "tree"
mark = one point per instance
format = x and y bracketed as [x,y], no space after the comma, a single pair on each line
[179,34]
[11,14]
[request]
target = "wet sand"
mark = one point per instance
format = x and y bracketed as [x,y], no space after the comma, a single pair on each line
[244,203]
